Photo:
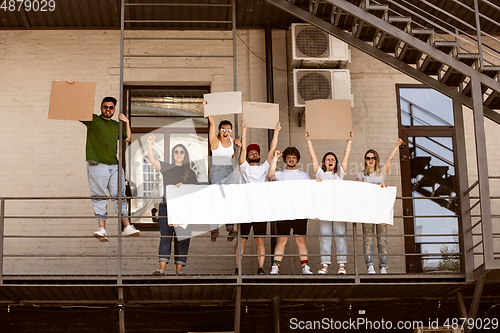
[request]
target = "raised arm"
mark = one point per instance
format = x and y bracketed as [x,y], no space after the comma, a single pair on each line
[124,119]
[347,152]
[314,158]
[243,148]
[274,143]
[388,163]
[272,169]
[212,134]
[151,154]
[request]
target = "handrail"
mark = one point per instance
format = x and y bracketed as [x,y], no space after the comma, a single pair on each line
[433,23]
[116,253]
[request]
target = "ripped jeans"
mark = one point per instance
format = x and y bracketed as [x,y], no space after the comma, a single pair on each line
[368,236]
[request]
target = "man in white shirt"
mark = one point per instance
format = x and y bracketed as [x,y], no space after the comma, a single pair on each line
[252,172]
[291,156]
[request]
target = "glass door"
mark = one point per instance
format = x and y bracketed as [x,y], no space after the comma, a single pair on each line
[426,124]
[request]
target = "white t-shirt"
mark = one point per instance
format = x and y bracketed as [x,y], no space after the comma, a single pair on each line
[372,178]
[291,175]
[330,175]
[254,173]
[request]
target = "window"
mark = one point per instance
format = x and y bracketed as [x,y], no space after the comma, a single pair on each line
[173,115]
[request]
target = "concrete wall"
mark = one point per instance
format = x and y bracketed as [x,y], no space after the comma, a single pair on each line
[43,157]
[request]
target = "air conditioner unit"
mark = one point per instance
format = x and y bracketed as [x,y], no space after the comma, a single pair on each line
[311,45]
[310,84]
[438,330]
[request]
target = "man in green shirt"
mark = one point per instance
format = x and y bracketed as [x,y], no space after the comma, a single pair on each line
[102,165]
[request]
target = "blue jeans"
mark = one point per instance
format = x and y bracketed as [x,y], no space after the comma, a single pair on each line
[222,174]
[327,228]
[181,236]
[368,236]
[103,178]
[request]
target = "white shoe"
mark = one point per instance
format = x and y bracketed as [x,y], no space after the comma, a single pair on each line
[371,270]
[100,234]
[342,269]
[383,270]
[130,230]
[306,270]
[275,270]
[323,270]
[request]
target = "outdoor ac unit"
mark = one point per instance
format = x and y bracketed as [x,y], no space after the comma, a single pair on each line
[310,84]
[438,330]
[311,45]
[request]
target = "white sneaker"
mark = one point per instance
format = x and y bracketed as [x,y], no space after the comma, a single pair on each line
[100,234]
[130,230]
[371,270]
[306,270]
[323,270]
[383,270]
[275,270]
[342,269]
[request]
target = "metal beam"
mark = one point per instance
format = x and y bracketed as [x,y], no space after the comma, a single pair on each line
[461,305]
[121,311]
[482,171]
[237,310]
[475,301]
[382,56]
[463,183]
[276,314]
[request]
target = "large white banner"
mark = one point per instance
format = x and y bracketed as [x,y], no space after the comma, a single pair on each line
[349,201]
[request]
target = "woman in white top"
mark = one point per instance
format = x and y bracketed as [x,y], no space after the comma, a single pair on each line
[372,173]
[330,170]
[222,171]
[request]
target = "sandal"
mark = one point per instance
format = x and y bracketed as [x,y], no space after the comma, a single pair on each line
[158,272]
[324,270]
[342,270]
[232,235]
[214,234]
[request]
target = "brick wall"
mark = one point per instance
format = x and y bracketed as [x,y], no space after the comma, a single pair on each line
[43,157]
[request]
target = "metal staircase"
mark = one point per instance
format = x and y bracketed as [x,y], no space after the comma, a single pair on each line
[429,50]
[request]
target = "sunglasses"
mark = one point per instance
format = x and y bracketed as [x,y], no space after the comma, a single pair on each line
[105,107]
[179,152]
[373,158]
[226,130]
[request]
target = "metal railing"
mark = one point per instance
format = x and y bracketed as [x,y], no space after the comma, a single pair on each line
[355,238]
[475,231]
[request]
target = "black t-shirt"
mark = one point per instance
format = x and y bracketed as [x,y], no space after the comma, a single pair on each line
[173,174]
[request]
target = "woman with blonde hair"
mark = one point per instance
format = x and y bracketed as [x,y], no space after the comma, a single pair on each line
[372,173]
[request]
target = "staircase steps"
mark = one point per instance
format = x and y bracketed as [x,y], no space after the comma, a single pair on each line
[433,175]
[419,165]
[410,55]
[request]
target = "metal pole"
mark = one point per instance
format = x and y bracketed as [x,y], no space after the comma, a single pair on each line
[482,172]
[120,147]
[270,99]
[478,31]
[237,310]
[235,63]
[276,314]
[355,247]
[2,227]
[269,74]
[475,301]
[463,183]
[121,310]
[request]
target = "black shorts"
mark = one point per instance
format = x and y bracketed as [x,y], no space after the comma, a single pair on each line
[259,229]
[299,227]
